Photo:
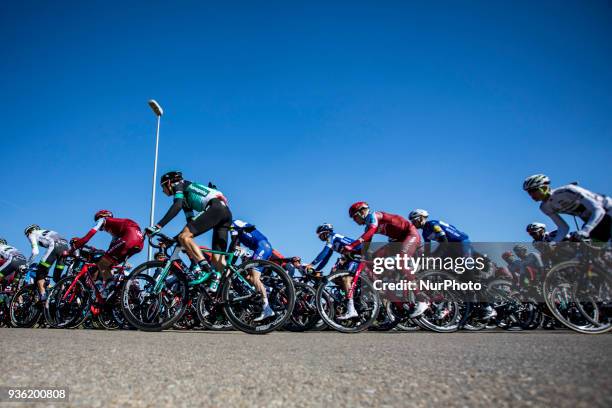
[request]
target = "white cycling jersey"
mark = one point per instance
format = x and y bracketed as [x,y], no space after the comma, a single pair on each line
[46,239]
[8,253]
[575,200]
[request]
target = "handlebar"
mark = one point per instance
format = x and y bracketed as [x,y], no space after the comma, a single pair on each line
[163,241]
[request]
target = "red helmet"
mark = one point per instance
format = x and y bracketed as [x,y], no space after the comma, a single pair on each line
[358,206]
[102,214]
[507,255]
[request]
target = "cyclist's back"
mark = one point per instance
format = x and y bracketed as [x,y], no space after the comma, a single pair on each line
[434,230]
[593,209]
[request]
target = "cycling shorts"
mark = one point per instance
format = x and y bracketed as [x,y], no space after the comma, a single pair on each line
[218,217]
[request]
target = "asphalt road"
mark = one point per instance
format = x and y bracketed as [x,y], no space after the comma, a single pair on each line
[204,369]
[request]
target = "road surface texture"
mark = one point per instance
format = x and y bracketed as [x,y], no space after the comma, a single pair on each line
[227,369]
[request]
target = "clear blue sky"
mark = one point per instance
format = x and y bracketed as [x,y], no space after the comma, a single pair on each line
[298,109]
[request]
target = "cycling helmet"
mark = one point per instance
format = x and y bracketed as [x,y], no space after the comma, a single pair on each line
[358,206]
[535,181]
[31,228]
[507,255]
[536,226]
[519,248]
[324,228]
[418,213]
[171,177]
[102,214]
[3,241]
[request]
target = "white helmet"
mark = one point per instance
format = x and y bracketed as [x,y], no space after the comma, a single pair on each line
[535,181]
[418,213]
[536,226]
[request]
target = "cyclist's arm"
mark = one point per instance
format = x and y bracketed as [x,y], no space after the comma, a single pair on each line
[366,237]
[82,241]
[597,214]
[177,206]
[323,258]
[35,250]
[562,227]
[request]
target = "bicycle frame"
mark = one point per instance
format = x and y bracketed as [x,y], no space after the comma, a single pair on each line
[175,256]
[85,271]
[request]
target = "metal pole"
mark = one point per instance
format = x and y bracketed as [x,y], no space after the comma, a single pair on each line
[152,219]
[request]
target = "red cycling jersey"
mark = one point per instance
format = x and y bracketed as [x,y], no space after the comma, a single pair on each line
[127,237]
[396,227]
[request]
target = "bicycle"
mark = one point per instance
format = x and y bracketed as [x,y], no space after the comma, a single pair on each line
[75,298]
[25,308]
[157,293]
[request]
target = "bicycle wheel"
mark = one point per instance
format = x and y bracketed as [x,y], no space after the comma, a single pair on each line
[331,302]
[305,315]
[243,304]
[579,297]
[387,318]
[445,311]
[150,311]
[25,308]
[67,307]
[210,313]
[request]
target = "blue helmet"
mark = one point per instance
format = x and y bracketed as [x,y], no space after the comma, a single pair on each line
[325,228]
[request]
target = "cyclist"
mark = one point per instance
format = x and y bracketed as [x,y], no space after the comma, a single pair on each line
[514,264]
[334,242]
[544,242]
[531,265]
[12,260]
[594,209]
[397,229]
[439,231]
[57,249]
[213,213]
[249,236]
[444,233]
[127,240]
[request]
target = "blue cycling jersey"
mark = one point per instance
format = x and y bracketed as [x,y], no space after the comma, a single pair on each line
[247,234]
[434,230]
[334,243]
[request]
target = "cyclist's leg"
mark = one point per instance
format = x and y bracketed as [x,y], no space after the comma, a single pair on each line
[264,250]
[61,248]
[216,216]
[219,239]
[43,270]
[602,231]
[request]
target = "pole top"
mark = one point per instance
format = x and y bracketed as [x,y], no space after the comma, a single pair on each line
[155,107]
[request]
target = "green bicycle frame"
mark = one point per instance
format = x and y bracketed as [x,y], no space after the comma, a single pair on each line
[176,252]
